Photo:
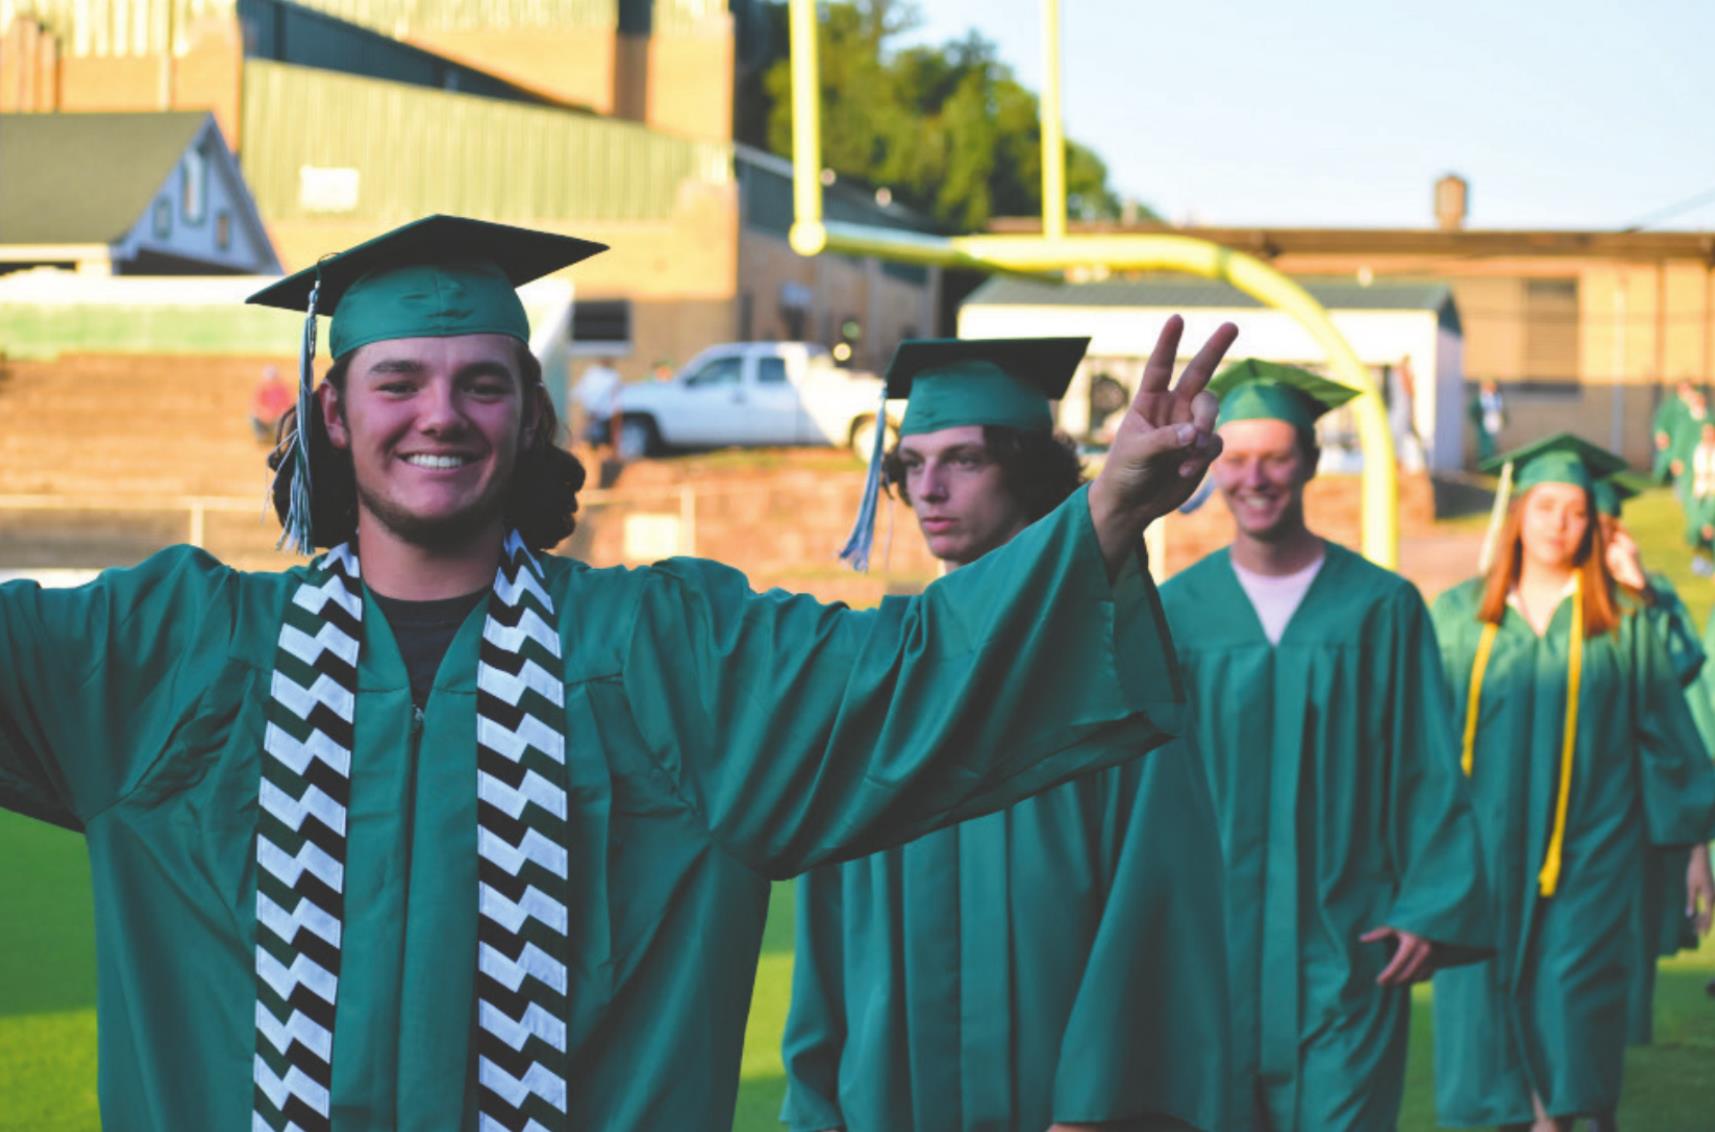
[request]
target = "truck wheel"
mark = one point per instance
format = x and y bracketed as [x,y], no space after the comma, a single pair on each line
[863,438]
[638,438]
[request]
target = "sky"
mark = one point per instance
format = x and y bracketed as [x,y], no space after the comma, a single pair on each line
[1343,113]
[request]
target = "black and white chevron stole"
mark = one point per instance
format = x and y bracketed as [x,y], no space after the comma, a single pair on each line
[521,896]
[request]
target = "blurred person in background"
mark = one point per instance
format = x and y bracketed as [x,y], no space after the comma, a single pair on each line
[1581,753]
[1320,712]
[1046,965]
[1664,430]
[1401,385]
[597,395]
[1697,493]
[268,403]
[1488,413]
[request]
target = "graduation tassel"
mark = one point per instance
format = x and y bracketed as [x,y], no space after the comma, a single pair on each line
[1497,519]
[295,532]
[862,539]
[1474,696]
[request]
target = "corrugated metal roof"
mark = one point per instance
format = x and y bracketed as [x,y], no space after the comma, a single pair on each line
[417,151]
[86,178]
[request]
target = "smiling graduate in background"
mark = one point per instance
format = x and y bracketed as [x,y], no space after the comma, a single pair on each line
[1319,708]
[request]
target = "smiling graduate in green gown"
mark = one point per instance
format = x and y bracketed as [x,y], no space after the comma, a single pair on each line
[1321,713]
[1581,753]
[443,831]
[1046,964]
[1675,879]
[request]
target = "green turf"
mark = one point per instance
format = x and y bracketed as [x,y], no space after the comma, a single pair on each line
[47,982]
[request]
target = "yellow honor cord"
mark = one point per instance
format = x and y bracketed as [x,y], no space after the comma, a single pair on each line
[1549,878]
[1473,698]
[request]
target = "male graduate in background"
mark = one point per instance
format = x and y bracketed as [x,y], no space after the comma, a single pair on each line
[1318,706]
[1046,965]
[1670,417]
[443,832]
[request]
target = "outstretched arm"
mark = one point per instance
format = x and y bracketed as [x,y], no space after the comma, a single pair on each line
[800,733]
[94,680]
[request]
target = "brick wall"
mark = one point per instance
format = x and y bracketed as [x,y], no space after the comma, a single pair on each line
[1333,507]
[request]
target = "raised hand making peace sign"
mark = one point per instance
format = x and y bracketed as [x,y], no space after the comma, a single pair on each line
[1164,445]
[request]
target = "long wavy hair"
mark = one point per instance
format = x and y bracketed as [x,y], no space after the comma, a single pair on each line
[1601,605]
[541,499]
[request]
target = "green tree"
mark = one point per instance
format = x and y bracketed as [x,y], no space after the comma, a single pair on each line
[947,128]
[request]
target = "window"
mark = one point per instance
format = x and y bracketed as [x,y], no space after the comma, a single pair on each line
[1551,329]
[163,219]
[717,373]
[601,326]
[327,188]
[771,371]
[223,230]
[193,195]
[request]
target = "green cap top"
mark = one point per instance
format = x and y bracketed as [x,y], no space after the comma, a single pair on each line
[951,382]
[436,277]
[1561,458]
[1257,390]
[1612,492]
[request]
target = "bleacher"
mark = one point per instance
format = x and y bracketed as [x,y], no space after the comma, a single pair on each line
[105,458]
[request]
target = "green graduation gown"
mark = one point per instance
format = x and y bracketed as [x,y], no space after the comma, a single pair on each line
[1548,1013]
[1334,769]
[1661,923]
[715,738]
[1045,963]
[1664,429]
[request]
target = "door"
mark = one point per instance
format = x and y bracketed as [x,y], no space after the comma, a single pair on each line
[775,408]
[712,410]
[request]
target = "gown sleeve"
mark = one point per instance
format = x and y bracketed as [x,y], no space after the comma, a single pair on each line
[1674,771]
[800,733]
[1441,892]
[1148,1035]
[815,1021]
[95,679]
[1674,628]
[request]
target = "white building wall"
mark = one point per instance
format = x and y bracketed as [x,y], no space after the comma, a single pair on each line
[247,250]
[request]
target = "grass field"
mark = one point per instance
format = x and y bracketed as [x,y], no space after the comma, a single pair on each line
[47,973]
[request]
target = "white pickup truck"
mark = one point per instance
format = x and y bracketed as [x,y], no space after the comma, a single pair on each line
[752,393]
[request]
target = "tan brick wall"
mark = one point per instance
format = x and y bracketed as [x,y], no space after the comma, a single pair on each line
[889,308]
[778,516]
[572,64]
[690,83]
[29,68]
[204,77]
[1686,315]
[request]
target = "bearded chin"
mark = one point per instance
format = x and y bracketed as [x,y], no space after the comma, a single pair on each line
[440,533]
